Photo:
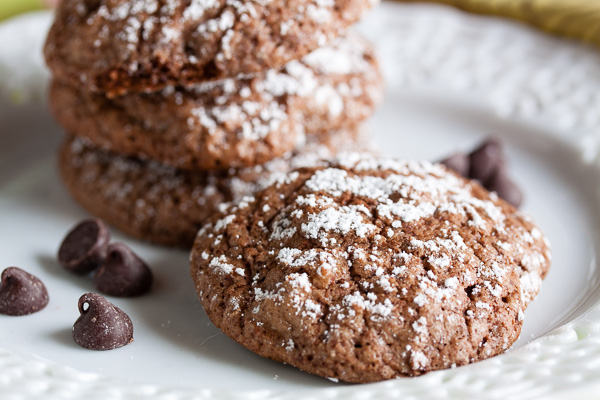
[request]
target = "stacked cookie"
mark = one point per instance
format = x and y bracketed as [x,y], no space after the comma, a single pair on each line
[175,107]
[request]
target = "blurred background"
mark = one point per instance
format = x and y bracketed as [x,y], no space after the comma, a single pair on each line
[579,19]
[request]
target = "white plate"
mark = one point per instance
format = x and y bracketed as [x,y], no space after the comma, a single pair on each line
[452,79]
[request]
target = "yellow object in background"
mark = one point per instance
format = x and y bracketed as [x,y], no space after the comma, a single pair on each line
[9,8]
[579,19]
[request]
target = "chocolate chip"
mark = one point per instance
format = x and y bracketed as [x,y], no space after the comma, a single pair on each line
[101,325]
[84,248]
[123,274]
[485,160]
[486,164]
[459,163]
[21,293]
[505,188]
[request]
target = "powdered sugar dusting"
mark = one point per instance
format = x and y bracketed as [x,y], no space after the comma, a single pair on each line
[381,195]
[308,79]
[447,193]
[341,220]
[165,27]
[221,264]
[358,229]
[154,187]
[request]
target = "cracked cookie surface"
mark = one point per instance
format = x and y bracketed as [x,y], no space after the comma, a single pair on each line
[117,46]
[368,269]
[167,205]
[232,122]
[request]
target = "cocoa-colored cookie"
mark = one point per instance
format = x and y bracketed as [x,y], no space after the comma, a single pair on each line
[370,269]
[165,205]
[230,123]
[116,46]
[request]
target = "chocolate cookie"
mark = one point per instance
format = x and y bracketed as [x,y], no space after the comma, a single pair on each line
[370,269]
[230,123]
[165,205]
[116,46]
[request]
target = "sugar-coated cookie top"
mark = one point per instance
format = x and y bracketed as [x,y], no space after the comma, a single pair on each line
[322,83]
[371,268]
[118,45]
[231,122]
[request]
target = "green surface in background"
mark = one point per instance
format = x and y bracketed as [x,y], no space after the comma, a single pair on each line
[579,19]
[9,8]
